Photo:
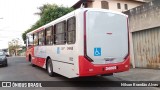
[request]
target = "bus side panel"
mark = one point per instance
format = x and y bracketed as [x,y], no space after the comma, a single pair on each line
[65,57]
[29,51]
[34,60]
[79,45]
[40,56]
[64,69]
[40,62]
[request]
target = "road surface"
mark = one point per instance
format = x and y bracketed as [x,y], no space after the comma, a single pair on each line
[20,70]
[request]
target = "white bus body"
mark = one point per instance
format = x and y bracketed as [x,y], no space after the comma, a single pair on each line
[101,45]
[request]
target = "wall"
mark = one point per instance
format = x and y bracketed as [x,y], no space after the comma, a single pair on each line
[144,17]
[144,29]
[146,46]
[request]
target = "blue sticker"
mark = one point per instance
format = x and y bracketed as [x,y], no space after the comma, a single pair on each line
[97,51]
[58,50]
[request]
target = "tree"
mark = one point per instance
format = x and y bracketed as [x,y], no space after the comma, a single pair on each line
[48,13]
[14,45]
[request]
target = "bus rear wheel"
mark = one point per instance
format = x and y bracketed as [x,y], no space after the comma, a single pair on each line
[50,68]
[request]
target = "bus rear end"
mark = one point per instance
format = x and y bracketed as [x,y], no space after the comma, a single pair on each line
[106,43]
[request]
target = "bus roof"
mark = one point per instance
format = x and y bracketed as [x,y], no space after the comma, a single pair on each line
[75,11]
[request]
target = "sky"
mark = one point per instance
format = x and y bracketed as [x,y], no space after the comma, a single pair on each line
[16,16]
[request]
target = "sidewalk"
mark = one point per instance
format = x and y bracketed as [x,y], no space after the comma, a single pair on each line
[139,74]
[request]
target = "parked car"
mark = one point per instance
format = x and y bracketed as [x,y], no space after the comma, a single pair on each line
[3,59]
[7,54]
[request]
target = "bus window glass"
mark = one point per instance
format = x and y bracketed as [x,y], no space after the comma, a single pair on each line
[36,39]
[49,36]
[41,38]
[59,36]
[60,28]
[59,39]
[71,30]
[30,39]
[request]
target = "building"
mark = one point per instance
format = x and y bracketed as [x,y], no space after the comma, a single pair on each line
[116,5]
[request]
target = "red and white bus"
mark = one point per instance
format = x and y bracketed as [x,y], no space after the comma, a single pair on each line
[85,42]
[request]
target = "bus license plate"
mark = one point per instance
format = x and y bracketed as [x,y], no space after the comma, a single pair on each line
[108,62]
[111,68]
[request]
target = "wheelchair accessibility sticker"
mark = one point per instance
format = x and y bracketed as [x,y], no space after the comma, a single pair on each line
[97,51]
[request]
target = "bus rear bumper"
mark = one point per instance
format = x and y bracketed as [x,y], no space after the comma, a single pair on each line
[86,68]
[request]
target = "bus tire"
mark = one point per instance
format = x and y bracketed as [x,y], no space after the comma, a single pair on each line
[32,65]
[50,68]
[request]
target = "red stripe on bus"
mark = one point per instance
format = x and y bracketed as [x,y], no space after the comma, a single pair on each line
[86,68]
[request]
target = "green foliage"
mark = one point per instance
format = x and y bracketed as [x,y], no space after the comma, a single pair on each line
[48,13]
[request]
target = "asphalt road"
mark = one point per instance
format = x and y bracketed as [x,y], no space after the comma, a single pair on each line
[20,70]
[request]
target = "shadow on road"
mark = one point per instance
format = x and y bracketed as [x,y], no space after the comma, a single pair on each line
[21,70]
[1,66]
[92,81]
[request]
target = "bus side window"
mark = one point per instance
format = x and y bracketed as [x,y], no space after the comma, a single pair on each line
[60,33]
[36,39]
[41,38]
[71,30]
[30,40]
[49,37]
